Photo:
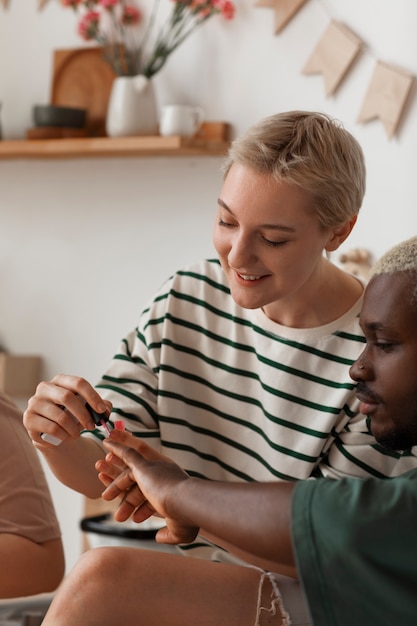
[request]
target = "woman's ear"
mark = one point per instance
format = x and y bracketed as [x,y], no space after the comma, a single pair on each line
[338,235]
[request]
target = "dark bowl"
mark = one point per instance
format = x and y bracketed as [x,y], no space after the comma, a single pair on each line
[52,115]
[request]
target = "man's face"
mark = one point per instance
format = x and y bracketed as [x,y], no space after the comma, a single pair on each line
[386,371]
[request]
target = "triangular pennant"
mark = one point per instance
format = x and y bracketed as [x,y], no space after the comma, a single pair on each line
[284,10]
[386,96]
[333,55]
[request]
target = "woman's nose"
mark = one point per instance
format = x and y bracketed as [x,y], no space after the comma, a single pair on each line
[241,253]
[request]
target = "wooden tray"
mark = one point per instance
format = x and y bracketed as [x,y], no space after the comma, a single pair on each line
[213,131]
[83,79]
[54,132]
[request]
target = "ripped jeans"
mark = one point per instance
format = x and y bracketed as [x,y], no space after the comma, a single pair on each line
[281,602]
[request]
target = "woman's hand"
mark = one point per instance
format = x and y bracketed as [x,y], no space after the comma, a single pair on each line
[147,483]
[58,410]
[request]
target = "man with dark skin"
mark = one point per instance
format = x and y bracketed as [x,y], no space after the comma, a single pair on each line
[351,542]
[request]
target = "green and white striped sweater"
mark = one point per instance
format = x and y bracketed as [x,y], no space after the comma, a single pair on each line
[230,395]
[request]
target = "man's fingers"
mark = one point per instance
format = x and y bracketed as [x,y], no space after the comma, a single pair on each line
[128,455]
[136,443]
[133,505]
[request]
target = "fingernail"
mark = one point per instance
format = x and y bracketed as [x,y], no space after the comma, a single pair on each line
[51,439]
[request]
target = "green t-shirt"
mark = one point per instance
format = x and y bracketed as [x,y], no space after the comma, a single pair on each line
[355,542]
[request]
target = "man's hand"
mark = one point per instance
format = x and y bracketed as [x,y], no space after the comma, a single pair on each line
[112,466]
[147,483]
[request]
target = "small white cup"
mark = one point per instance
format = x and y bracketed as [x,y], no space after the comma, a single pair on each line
[180,119]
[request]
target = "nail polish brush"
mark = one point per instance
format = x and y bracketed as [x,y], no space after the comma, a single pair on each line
[100,419]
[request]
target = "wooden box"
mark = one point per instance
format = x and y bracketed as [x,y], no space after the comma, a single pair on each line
[19,374]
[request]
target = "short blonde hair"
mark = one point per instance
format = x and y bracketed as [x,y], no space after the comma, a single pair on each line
[312,151]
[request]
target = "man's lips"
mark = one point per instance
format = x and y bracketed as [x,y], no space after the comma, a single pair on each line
[368,400]
[367,408]
[368,403]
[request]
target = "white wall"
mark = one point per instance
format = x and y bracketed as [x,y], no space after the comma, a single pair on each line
[84,243]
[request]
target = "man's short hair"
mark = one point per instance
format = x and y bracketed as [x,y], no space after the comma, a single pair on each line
[400,258]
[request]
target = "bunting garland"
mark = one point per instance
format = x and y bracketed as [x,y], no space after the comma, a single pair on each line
[333,57]
[284,10]
[335,54]
[386,96]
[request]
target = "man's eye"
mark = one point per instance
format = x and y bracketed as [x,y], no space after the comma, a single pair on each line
[384,346]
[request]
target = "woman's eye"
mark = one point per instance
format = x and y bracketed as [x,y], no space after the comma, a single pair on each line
[274,244]
[225,224]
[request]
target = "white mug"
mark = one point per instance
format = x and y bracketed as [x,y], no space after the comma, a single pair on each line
[180,119]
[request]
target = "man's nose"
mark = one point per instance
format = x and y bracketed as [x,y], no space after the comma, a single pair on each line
[358,370]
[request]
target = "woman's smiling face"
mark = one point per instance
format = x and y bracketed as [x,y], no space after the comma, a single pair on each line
[269,241]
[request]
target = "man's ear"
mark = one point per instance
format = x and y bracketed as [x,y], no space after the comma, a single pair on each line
[338,235]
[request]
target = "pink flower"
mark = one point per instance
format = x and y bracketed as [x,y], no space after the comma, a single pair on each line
[226,8]
[131,16]
[70,3]
[131,51]
[88,26]
[109,4]
[202,8]
[206,8]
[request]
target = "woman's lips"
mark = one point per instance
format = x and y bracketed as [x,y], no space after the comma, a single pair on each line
[249,280]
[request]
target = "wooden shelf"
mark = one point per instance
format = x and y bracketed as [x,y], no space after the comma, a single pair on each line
[88,147]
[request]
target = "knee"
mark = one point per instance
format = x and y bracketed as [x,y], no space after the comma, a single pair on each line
[97,566]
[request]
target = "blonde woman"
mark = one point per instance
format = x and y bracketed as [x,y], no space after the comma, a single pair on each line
[238,369]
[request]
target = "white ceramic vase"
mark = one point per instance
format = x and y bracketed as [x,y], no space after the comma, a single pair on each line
[132,108]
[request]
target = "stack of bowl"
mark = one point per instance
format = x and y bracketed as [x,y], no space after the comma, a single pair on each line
[56,122]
